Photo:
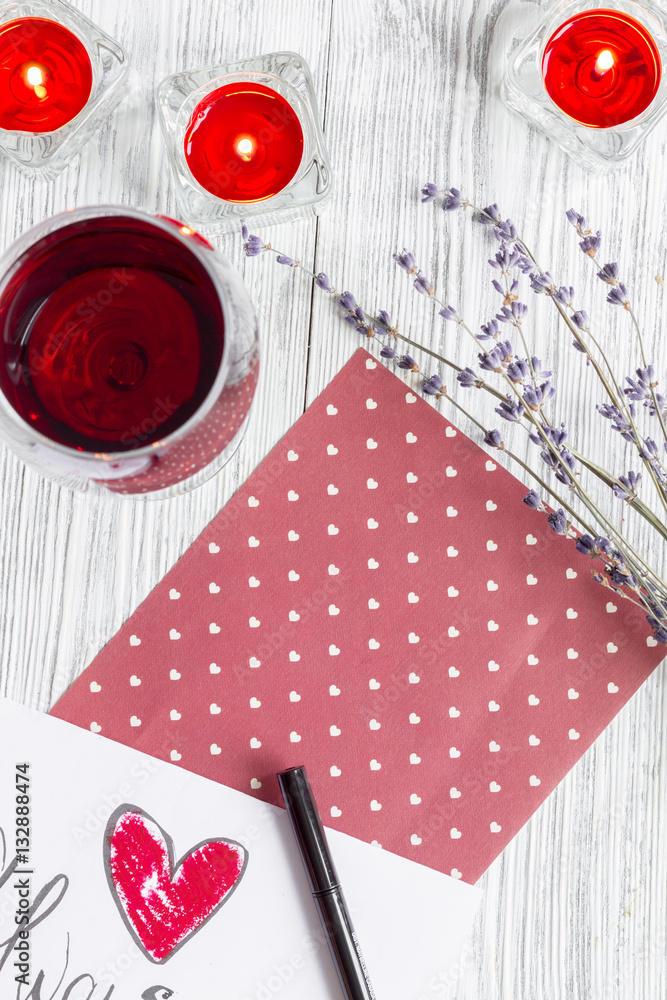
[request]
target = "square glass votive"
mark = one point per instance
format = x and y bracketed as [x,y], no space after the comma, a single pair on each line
[244,141]
[52,106]
[606,143]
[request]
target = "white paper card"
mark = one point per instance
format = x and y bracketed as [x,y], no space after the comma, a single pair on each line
[147,882]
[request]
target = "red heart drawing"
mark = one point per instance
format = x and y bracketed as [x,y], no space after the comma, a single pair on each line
[162,902]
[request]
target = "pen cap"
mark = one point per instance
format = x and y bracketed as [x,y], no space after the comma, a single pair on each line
[308,829]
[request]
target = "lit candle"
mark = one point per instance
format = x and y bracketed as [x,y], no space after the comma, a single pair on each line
[46,75]
[602,68]
[244,142]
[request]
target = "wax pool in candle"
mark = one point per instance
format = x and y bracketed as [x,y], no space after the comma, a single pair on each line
[602,68]
[244,142]
[46,75]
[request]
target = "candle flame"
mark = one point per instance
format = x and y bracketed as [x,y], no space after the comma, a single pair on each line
[34,76]
[245,148]
[605,61]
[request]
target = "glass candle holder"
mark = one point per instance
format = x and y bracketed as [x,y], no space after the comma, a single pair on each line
[244,141]
[60,77]
[128,353]
[591,76]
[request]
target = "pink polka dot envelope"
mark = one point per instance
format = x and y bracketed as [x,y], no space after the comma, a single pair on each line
[377,603]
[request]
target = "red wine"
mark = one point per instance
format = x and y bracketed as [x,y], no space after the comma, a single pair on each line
[112,335]
[46,75]
[244,142]
[602,68]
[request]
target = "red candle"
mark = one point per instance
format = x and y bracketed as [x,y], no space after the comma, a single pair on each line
[602,68]
[244,142]
[46,75]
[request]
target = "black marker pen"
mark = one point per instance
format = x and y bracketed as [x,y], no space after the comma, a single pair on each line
[325,885]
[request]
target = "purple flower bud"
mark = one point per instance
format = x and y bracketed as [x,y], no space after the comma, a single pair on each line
[453,200]
[494,439]
[609,274]
[505,231]
[542,284]
[385,321]
[518,370]
[423,285]
[578,221]
[322,281]
[537,368]
[558,521]
[429,191]
[469,379]
[450,313]
[489,330]
[618,296]
[586,545]
[406,262]
[488,215]
[253,246]
[626,488]
[492,361]
[510,410]
[282,259]
[581,320]
[244,232]
[348,301]
[565,296]
[533,501]
[388,352]
[433,386]
[408,363]
[591,244]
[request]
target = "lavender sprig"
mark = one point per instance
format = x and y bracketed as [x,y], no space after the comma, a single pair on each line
[526,376]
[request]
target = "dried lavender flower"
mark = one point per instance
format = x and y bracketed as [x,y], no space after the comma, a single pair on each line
[609,274]
[618,296]
[627,490]
[511,410]
[534,501]
[578,221]
[565,296]
[580,319]
[433,387]
[406,261]
[494,439]
[469,379]
[322,281]
[558,521]
[253,246]
[591,244]
[489,330]
[450,313]
[429,192]
[542,283]
[423,285]
[453,200]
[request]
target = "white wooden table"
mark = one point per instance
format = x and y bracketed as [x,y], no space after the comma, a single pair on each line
[576,907]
